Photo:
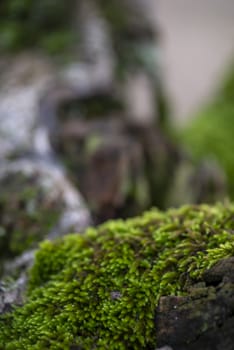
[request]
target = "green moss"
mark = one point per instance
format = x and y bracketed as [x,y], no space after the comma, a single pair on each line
[101,290]
[211,132]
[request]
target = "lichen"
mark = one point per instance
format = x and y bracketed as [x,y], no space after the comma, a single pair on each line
[210,132]
[100,290]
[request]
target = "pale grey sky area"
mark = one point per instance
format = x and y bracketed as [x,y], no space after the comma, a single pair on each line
[197,44]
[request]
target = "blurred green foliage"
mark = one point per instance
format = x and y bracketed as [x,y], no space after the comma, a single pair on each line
[211,132]
[42,24]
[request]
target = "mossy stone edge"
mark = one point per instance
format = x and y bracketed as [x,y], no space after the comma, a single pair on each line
[101,290]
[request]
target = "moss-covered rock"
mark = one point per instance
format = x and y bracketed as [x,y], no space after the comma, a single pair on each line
[101,290]
[36,202]
[210,133]
[19,217]
[27,214]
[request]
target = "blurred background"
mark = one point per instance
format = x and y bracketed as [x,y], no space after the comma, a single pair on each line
[198,45]
[108,108]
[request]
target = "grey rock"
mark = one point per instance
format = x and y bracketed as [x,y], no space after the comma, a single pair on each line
[21,85]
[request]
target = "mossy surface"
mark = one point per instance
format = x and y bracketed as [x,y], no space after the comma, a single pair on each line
[100,290]
[211,132]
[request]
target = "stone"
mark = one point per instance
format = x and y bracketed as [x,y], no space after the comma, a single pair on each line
[204,319]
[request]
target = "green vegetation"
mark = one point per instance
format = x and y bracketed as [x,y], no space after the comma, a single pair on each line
[40,24]
[211,132]
[101,289]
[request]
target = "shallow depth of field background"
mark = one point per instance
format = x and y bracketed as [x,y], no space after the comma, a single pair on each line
[197,45]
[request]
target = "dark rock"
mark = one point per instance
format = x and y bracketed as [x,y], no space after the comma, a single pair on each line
[203,319]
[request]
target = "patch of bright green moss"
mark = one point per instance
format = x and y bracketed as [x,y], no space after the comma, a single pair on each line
[211,132]
[100,290]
